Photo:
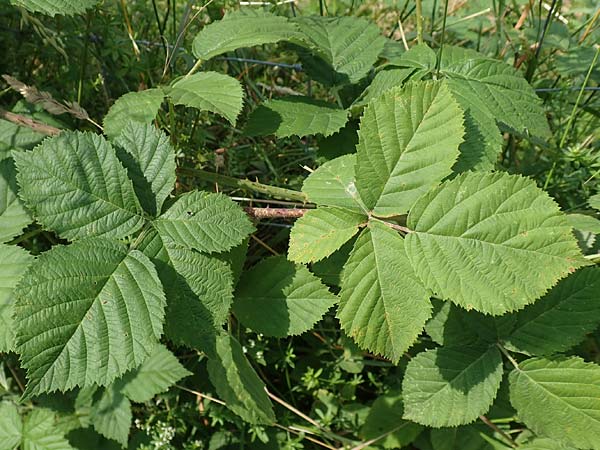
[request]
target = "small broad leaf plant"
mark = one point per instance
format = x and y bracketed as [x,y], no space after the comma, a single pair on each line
[479,266]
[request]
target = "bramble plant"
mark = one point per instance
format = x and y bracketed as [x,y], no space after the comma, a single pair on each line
[465,279]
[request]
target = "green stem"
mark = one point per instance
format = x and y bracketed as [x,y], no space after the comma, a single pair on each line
[160,29]
[510,358]
[419,22]
[140,237]
[439,58]
[26,236]
[172,130]
[576,105]
[194,68]
[433,11]
[273,191]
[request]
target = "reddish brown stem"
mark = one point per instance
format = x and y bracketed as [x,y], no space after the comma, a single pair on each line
[275,213]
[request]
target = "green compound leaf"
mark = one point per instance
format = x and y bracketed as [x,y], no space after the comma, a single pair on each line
[383,306]
[13,215]
[40,432]
[447,387]
[140,107]
[53,7]
[199,291]
[568,389]
[332,184]
[497,90]
[385,418]
[383,82]
[295,116]
[210,91]
[149,159]
[237,383]
[348,45]
[560,319]
[477,237]
[111,415]
[279,298]
[75,185]
[13,264]
[205,222]
[85,314]
[10,426]
[408,142]
[322,231]
[240,29]
[157,374]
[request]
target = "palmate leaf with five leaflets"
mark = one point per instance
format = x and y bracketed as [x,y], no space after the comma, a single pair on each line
[568,389]
[86,314]
[383,306]
[408,142]
[209,91]
[477,237]
[294,298]
[446,387]
[75,185]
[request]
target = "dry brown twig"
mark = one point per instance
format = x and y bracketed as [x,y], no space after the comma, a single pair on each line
[33,95]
